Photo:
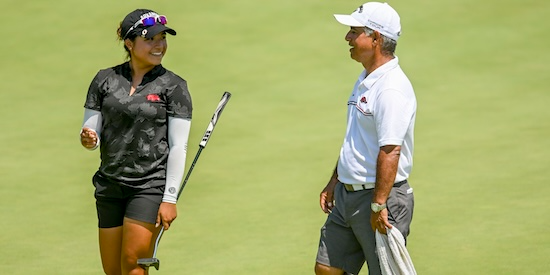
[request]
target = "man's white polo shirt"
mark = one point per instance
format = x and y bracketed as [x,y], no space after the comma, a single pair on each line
[381,111]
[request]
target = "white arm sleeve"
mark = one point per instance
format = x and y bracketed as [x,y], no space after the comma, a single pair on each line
[92,120]
[178,135]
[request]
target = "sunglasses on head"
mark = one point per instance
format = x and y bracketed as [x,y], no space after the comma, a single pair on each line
[148,22]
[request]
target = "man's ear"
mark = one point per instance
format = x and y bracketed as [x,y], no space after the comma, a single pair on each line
[376,38]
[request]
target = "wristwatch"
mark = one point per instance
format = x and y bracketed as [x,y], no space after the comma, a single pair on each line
[377,207]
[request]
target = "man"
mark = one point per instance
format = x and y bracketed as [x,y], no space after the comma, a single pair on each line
[368,190]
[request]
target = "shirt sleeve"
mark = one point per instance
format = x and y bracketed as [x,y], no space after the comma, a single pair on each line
[393,115]
[92,105]
[178,135]
[94,98]
[179,102]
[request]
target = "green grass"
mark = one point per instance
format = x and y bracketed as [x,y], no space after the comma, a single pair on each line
[479,69]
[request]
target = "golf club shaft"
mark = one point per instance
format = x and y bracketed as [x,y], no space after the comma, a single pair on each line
[190,170]
[157,241]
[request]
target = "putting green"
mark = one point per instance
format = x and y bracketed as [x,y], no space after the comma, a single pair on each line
[479,69]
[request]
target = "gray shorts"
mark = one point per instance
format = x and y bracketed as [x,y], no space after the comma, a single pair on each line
[115,201]
[347,239]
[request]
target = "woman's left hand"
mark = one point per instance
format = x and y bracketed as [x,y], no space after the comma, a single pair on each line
[166,215]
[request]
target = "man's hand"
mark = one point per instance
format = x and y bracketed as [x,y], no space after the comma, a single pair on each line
[379,221]
[327,197]
[166,215]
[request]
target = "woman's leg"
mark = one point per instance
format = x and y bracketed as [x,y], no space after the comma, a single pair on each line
[110,241]
[138,240]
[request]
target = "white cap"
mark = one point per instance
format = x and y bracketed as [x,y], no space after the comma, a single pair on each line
[378,16]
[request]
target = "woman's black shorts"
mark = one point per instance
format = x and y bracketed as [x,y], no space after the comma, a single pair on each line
[115,201]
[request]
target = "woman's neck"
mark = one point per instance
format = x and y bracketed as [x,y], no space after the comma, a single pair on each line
[138,71]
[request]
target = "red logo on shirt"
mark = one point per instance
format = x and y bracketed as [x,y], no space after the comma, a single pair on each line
[363,100]
[153,97]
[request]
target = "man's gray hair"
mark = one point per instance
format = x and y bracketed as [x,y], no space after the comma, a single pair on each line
[388,44]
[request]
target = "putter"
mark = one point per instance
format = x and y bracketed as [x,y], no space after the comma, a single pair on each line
[148,262]
[154,261]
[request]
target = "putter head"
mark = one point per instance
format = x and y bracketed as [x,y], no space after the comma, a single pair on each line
[147,262]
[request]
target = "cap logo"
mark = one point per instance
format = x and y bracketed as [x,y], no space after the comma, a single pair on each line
[143,33]
[376,25]
[360,9]
[149,14]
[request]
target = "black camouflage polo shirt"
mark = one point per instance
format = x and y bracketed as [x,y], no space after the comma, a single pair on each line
[134,135]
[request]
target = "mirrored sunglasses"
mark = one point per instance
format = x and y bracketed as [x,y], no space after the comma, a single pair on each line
[148,22]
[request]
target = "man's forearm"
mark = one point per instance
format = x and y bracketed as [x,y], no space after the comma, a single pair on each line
[386,170]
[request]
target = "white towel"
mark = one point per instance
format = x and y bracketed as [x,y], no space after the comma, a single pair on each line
[392,254]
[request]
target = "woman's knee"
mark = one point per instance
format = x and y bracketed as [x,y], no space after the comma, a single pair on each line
[130,266]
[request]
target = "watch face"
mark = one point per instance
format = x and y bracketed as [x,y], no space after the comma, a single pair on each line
[377,207]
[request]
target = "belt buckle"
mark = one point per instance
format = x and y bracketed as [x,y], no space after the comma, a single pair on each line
[354,187]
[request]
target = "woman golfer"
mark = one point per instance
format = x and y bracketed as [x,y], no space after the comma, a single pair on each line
[139,115]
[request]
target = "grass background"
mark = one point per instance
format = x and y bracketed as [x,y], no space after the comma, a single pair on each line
[479,68]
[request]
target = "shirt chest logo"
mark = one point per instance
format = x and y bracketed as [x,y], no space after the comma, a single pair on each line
[363,107]
[153,98]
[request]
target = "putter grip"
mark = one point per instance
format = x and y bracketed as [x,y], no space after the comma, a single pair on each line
[225,98]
